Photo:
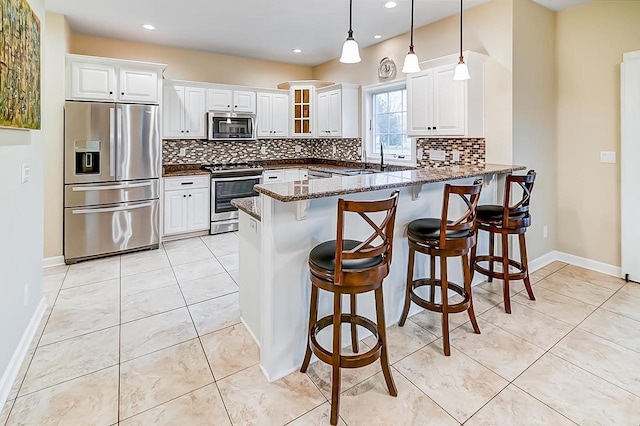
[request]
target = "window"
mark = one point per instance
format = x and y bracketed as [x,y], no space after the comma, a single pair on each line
[386,115]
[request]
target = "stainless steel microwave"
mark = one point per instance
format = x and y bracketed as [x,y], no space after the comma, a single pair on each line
[226,126]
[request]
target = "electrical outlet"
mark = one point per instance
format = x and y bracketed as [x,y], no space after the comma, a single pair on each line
[545,232]
[359,151]
[26,294]
[334,149]
[26,173]
[263,150]
[608,157]
[455,155]
[437,155]
[298,148]
[420,153]
[183,152]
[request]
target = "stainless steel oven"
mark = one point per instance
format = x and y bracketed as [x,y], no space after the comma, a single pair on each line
[224,217]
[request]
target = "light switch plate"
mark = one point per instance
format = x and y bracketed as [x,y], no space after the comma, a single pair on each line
[608,157]
[437,155]
[455,155]
[183,152]
[334,149]
[420,153]
[263,150]
[298,148]
[26,173]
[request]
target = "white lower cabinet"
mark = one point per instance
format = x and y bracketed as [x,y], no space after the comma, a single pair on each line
[284,175]
[186,210]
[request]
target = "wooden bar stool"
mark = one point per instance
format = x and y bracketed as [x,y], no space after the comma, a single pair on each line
[344,266]
[444,238]
[507,220]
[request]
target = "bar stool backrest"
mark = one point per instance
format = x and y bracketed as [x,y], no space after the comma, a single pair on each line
[382,231]
[521,208]
[470,195]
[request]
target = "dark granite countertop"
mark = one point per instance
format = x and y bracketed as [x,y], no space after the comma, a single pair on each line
[175,170]
[319,188]
[249,205]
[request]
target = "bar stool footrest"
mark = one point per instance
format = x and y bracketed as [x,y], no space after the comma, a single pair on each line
[437,307]
[346,361]
[520,275]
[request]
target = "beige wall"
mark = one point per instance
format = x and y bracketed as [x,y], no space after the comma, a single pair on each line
[21,227]
[194,65]
[591,41]
[488,29]
[57,37]
[534,115]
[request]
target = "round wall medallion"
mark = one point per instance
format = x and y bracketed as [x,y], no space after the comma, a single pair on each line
[387,68]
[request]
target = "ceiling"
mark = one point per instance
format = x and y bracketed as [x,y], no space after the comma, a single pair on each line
[263,29]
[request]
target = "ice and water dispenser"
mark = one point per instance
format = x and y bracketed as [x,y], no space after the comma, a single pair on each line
[87,157]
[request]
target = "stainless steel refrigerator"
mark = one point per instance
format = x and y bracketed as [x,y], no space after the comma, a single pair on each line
[112,161]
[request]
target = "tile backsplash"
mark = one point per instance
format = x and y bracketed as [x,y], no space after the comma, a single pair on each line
[204,151]
[472,151]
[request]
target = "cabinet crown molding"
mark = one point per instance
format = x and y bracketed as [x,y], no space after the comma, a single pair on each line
[72,57]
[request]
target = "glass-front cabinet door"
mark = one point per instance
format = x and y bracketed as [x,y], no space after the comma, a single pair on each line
[302,103]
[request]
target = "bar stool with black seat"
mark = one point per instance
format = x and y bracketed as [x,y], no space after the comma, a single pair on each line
[507,220]
[345,266]
[444,238]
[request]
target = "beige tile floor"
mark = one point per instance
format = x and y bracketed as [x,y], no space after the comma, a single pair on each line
[155,338]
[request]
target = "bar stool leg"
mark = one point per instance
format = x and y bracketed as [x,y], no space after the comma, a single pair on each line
[382,334]
[432,289]
[445,305]
[337,345]
[473,261]
[354,329]
[407,296]
[467,288]
[491,253]
[505,273]
[313,318]
[525,264]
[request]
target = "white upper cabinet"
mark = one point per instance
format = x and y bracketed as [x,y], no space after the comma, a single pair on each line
[219,99]
[184,112]
[91,81]
[438,105]
[272,115]
[138,85]
[102,79]
[337,111]
[244,101]
[241,101]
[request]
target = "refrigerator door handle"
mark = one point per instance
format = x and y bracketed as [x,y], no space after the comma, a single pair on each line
[112,209]
[112,142]
[110,187]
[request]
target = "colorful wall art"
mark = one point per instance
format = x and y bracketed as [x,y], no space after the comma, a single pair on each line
[20,94]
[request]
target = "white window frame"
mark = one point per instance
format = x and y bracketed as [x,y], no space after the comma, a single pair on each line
[367,128]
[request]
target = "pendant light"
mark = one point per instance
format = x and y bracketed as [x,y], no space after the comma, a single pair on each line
[350,51]
[462,71]
[411,60]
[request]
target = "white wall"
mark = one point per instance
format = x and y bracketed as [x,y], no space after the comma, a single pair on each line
[21,228]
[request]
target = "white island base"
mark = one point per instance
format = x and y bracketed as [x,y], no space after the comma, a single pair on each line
[274,283]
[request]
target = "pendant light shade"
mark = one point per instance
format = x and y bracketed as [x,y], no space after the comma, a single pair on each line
[350,50]
[411,64]
[462,71]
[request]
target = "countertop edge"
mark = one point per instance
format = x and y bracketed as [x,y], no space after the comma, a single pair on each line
[404,182]
[247,205]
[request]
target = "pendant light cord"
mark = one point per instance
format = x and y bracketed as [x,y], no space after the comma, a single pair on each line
[461,29]
[411,44]
[350,18]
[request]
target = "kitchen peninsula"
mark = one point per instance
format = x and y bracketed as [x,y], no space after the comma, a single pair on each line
[279,228]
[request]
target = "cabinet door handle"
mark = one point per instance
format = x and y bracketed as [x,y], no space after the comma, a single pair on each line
[434,127]
[122,93]
[187,131]
[236,106]
[111,93]
[228,106]
[186,183]
[189,195]
[182,131]
[428,128]
[184,196]
[272,177]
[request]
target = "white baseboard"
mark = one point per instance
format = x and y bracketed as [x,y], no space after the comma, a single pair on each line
[10,374]
[52,261]
[255,339]
[594,265]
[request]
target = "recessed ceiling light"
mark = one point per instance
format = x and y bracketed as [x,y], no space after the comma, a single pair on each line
[296,50]
[148,27]
[377,36]
[390,4]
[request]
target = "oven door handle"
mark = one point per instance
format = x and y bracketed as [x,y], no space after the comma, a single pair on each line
[215,179]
